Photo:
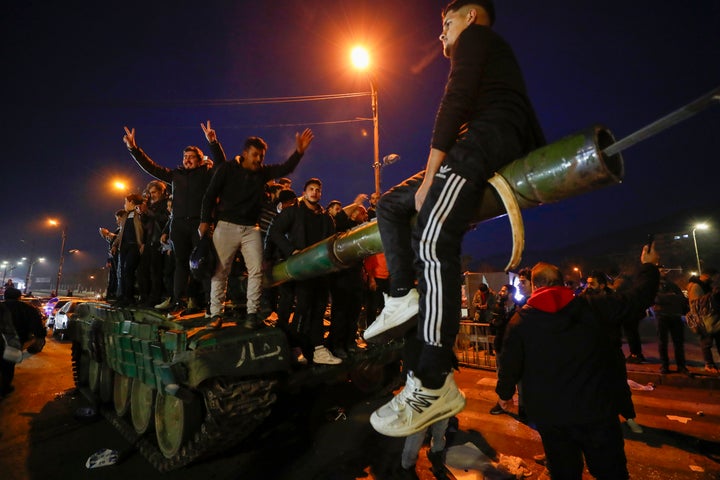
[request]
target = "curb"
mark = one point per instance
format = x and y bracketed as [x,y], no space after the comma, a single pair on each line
[644,377]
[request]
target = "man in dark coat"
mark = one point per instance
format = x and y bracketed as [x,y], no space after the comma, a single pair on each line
[558,347]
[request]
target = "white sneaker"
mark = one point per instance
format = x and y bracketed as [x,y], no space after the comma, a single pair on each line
[164,305]
[323,356]
[416,407]
[633,425]
[396,315]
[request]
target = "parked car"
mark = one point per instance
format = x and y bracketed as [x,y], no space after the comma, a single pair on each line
[52,307]
[66,311]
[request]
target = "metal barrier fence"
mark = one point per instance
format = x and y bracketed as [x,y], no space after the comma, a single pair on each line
[474,345]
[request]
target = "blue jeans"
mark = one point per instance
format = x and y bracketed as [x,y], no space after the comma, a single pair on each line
[414,442]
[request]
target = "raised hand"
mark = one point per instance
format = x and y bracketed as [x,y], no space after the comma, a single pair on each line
[210,134]
[303,140]
[129,138]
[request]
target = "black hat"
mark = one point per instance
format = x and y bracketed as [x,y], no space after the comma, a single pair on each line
[286,196]
[12,293]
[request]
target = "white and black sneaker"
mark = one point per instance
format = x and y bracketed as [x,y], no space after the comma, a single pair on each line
[395,318]
[323,356]
[416,407]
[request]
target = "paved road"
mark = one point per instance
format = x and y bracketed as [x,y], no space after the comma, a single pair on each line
[41,438]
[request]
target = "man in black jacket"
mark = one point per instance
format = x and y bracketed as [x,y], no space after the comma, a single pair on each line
[235,195]
[294,229]
[558,347]
[27,322]
[189,183]
[485,121]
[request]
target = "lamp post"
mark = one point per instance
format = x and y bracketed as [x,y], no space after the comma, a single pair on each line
[698,226]
[55,223]
[29,273]
[361,60]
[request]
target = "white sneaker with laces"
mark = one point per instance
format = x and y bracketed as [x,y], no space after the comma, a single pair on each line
[323,356]
[396,315]
[417,407]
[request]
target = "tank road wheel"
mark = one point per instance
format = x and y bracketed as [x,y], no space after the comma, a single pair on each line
[142,398]
[121,394]
[106,383]
[94,376]
[175,421]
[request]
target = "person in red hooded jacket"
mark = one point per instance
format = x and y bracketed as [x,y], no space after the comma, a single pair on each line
[557,346]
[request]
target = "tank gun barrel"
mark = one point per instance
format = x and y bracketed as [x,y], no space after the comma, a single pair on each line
[568,167]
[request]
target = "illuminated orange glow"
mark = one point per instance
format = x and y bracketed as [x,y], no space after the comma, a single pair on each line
[360,58]
[119,185]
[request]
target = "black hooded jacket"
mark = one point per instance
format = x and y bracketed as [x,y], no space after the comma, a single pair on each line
[558,346]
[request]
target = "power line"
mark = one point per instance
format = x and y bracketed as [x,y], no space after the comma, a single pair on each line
[240,101]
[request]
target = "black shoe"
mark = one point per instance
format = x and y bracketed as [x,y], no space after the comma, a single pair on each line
[215,323]
[253,322]
[664,370]
[636,359]
[497,410]
[437,463]
[176,311]
[684,371]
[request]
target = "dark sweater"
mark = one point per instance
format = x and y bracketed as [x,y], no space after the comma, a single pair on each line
[485,89]
[237,194]
[298,227]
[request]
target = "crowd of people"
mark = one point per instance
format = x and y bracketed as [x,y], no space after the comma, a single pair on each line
[253,219]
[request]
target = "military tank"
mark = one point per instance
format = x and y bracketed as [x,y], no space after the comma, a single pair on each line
[180,392]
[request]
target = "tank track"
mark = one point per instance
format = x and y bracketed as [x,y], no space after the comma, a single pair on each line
[233,410]
[75,356]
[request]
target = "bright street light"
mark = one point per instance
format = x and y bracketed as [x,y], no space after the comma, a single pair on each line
[578,271]
[361,60]
[698,226]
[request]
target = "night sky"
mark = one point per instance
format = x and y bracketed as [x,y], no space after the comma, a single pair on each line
[75,73]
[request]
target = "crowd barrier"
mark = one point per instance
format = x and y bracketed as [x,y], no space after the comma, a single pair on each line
[473,345]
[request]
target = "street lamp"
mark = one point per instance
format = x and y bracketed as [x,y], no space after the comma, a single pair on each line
[361,60]
[29,272]
[698,226]
[55,223]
